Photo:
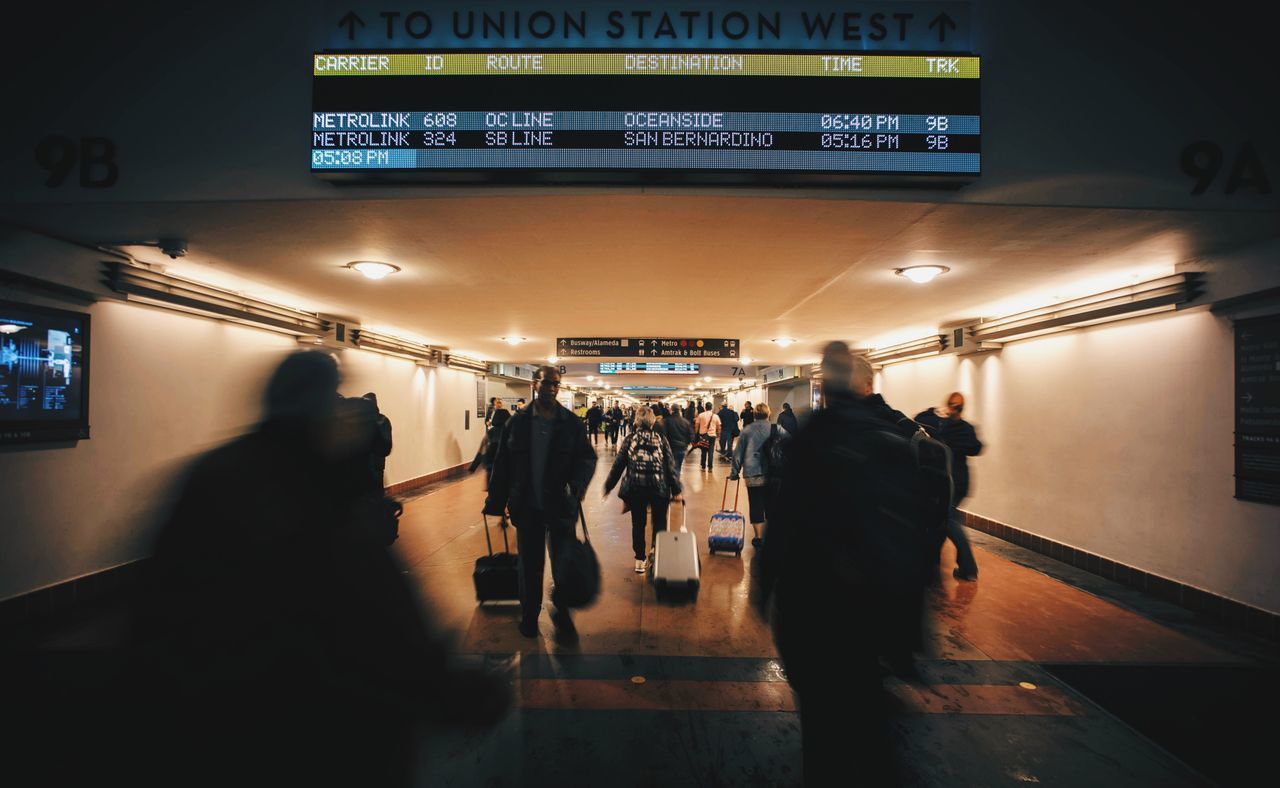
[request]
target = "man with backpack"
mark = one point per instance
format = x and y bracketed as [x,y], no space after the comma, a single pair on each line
[651,481]
[853,517]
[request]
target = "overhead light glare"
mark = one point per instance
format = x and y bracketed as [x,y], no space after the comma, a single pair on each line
[920,274]
[513,341]
[373,269]
[782,342]
[10,328]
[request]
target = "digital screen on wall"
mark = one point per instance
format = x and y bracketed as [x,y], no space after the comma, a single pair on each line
[686,115]
[44,374]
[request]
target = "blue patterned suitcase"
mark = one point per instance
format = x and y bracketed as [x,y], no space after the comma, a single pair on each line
[728,526]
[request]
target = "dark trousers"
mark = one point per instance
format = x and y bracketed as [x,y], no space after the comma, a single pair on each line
[844,725]
[726,442]
[594,431]
[535,533]
[678,456]
[640,503]
[708,453]
[965,561]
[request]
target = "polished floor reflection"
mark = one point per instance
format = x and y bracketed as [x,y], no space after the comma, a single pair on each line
[692,693]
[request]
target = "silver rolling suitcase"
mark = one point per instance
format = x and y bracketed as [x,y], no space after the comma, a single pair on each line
[676,564]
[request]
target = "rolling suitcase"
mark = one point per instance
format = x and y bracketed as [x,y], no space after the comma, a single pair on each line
[676,565]
[496,575]
[728,526]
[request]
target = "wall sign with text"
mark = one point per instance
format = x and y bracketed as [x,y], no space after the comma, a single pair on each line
[1258,410]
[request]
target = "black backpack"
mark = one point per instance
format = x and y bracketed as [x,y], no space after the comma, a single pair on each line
[773,454]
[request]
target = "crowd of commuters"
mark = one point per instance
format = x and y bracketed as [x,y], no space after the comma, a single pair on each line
[271,586]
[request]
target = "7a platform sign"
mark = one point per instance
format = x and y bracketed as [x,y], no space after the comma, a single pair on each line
[646,347]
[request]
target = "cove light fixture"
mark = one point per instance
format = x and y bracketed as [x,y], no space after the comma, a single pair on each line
[372,269]
[920,274]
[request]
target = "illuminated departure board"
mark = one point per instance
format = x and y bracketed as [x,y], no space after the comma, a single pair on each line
[649,368]
[457,115]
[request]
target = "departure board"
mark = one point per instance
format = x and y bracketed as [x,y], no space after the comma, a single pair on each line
[648,368]
[449,115]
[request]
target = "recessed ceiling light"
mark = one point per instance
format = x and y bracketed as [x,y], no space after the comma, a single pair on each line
[784,342]
[513,341]
[552,359]
[591,377]
[372,269]
[921,274]
[707,378]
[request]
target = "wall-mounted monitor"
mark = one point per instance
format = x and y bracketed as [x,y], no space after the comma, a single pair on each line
[44,374]
[638,116]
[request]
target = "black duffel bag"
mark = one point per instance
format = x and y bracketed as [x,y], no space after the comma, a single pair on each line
[577,570]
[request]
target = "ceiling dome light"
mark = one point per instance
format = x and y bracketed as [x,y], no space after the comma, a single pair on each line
[784,342]
[920,274]
[372,269]
[513,341]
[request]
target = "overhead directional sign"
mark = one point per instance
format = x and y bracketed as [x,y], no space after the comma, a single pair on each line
[921,25]
[659,348]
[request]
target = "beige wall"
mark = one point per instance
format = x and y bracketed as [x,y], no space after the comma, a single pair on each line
[166,387]
[1117,440]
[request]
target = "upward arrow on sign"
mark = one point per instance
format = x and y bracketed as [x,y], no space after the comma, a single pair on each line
[350,21]
[942,21]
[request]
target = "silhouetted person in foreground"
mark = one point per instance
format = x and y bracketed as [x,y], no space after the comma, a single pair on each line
[283,642]
[831,543]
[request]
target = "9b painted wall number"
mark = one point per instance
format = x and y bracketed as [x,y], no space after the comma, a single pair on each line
[96,156]
[1203,161]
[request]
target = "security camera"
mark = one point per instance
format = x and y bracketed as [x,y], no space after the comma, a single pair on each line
[174,247]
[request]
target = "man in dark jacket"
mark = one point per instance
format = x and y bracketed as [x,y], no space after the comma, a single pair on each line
[831,539]
[787,419]
[728,431]
[679,434]
[946,425]
[541,472]
[595,415]
[381,443]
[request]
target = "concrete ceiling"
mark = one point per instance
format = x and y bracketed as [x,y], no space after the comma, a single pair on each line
[668,263]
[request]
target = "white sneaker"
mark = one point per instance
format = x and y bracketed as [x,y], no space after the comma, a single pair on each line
[640,565]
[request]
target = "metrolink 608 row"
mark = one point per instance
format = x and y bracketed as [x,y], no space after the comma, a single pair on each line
[647,120]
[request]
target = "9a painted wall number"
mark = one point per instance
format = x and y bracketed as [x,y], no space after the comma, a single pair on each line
[1203,161]
[96,156]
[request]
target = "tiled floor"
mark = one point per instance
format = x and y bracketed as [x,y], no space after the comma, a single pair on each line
[693,694]
[1037,674]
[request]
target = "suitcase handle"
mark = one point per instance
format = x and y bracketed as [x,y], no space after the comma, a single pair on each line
[503,525]
[737,488]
